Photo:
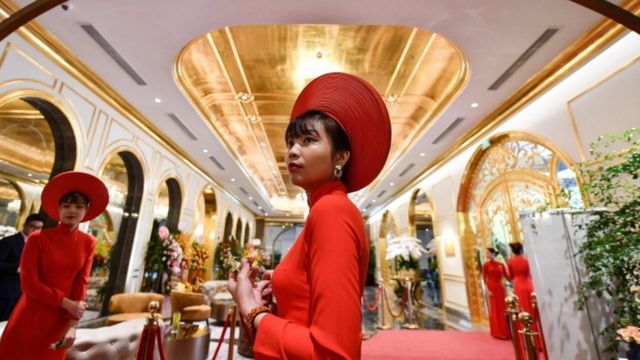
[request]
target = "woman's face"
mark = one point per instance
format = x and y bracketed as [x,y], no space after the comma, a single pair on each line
[71,213]
[309,159]
[490,255]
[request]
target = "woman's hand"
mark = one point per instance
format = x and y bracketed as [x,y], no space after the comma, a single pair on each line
[74,308]
[264,287]
[241,288]
[69,338]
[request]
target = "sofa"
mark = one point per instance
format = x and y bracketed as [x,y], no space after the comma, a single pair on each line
[128,306]
[119,341]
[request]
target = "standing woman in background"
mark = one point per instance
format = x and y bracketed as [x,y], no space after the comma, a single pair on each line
[520,274]
[54,271]
[493,273]
[338,140]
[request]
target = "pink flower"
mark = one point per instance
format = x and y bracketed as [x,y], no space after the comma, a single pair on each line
[163,232]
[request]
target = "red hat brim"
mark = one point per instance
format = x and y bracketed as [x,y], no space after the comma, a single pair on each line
[359,109]
[69,181]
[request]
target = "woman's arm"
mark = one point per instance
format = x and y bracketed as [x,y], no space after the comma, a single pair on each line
[29,275]
[332,236]
[81,280]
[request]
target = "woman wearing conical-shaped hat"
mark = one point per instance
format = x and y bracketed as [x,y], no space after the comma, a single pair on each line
[338,141]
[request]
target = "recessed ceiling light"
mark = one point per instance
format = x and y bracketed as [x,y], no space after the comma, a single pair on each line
[287,214]
[391,184]
[474,105]
[260,207]
[250,197]
[423,154]
[233,179]
[157,100]
[374,200]
[205,151]
[29,174]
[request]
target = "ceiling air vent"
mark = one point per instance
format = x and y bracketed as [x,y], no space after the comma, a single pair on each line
[104,44]
[255,203]
[182,126]
[526,55]
[409,167]
[244,191]
[382,193]
[215,161]
[452,126]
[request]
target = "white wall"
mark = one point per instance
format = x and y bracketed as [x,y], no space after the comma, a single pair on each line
[101,131]
[602,96]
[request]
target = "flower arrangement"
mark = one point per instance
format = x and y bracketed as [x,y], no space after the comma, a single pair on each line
[172,256]
[406,250]
[197,262]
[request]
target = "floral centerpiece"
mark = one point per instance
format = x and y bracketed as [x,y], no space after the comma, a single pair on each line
[173,259]
[197,262]
[406,252]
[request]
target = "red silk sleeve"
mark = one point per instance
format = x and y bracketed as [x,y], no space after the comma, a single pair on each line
[333,236]
[29,275]
[81,280]
[510,270]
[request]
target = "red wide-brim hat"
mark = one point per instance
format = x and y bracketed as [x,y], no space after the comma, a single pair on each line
[69,181]
[359,109]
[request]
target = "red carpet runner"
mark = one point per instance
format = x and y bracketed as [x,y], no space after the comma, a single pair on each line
[435,345]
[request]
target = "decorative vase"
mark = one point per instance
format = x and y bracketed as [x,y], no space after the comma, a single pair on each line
[634,351]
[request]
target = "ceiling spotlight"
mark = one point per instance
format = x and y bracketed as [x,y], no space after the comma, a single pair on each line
[250,197]
[205,151]
[287,214]
[391,184]
[423,154]
[244,97]
[157,100]
[374,200]
[474,105]
[29,174]
[233,179]
[392,98]
[260,207]
[252,118]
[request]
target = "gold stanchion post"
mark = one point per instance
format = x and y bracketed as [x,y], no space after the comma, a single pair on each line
[410,317]
[512,315]
[232,330]
[528,335]
[382,325]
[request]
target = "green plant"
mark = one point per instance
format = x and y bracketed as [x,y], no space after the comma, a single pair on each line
[611,251]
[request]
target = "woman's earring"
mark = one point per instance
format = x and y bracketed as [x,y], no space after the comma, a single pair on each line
[337,172]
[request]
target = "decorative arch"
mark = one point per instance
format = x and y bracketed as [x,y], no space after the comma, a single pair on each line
[66,137]
[228,226]
[246,233]
[206,224]
[388,228]
[119,264]
[510,172]
[118,147]
[174,207]
[238,234]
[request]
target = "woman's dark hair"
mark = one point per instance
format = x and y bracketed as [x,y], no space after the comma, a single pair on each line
[492,250]
[516,248]
[305,125]
[74,197]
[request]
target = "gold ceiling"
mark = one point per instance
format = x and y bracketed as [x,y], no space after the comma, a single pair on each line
[244,80]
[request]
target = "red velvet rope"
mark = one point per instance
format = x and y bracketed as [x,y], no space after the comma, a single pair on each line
[402,303]
[144,338]
[224,331]
[373,307]
[160,347]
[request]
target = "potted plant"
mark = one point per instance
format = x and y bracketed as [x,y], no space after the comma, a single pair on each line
[611,250]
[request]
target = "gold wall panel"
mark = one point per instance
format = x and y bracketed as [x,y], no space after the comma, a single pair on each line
[244,80]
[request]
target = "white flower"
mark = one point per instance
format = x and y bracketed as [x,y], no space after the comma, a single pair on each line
[406,247]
